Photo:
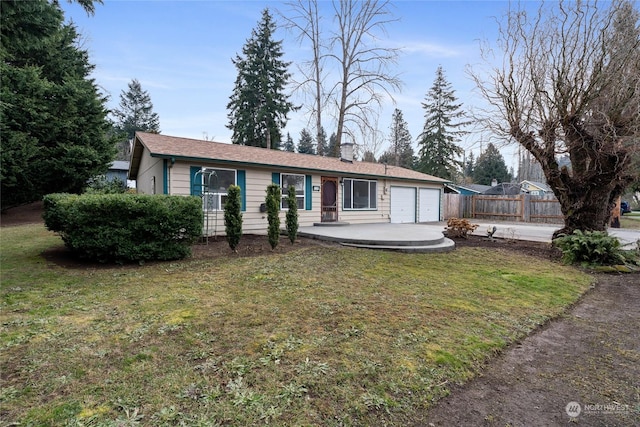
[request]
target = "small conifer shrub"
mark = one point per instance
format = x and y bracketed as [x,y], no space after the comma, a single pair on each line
[273,214]
[233,216]
[292,214]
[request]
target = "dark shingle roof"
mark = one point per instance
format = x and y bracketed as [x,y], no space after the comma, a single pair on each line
[164,146]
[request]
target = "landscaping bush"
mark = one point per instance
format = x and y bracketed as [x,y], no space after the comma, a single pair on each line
[125,227]
[102,185]
[233,216]
[457,227]
[292,214]
[272,201]
[592,248]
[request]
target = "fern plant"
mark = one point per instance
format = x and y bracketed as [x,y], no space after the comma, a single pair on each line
[273,214]
[591,247]
[292,214]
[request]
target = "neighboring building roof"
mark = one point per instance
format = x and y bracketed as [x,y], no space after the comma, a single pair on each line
[505,188]
[468,189]
[478,188]
[175,148]
[119,165]
[451,188]
[541,185]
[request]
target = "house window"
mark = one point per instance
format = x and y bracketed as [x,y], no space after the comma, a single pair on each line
[359,194]
[215,183]
[297,181]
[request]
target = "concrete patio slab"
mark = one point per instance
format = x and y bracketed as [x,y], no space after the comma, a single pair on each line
[399,237]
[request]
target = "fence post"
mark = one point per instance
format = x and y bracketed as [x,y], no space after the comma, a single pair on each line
[526,207]
[473,206]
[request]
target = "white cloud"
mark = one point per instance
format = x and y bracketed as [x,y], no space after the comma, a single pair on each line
[432,50]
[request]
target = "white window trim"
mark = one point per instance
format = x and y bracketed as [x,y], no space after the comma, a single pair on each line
[369,181]
[219,193]
[285,191]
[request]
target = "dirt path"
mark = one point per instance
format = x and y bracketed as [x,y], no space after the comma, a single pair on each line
[590,356]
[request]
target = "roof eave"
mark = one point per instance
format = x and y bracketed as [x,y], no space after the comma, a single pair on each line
[174,157]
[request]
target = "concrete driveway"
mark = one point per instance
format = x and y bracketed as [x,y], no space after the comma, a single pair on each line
[539,232]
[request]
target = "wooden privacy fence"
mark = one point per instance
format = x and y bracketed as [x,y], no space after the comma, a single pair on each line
[520,207]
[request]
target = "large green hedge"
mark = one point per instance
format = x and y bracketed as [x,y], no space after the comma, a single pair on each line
[125,227]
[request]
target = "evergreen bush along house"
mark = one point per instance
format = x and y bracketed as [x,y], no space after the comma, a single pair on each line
[328,189]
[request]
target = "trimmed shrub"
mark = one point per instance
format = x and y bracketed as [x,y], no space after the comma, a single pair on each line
[292,214]
[272,201]
[590,247]
[233,216]
[102,185]
[125,227]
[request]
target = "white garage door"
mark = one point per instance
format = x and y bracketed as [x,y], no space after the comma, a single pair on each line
[429,205]
[403,204]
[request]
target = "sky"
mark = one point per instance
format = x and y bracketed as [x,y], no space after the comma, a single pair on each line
[181,51]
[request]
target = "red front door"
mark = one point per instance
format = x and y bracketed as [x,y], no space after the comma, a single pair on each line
[329,196]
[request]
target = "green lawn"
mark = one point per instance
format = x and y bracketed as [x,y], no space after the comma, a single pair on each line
[318,336]
[630,220]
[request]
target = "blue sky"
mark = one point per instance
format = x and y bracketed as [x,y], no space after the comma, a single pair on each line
[181,52]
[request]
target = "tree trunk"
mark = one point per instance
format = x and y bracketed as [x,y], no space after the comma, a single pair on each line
[586,201]
[584,210]
[588,191]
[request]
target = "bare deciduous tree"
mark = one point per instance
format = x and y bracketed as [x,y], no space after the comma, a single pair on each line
[364,66]
[304,19]
[569,85]
[358,73]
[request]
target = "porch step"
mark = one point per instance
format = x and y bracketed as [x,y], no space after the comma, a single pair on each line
[330,224]
[380,239]
[393,237]
[445,246]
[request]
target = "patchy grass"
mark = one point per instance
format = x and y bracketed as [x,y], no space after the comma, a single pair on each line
[630,220]
[317,336]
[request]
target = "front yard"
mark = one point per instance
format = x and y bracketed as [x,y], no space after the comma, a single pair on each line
[317,335]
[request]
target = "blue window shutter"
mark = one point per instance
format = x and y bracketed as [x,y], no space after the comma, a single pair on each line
[307,192]
[165,176]
[242,183]
[275,178]
[196,186]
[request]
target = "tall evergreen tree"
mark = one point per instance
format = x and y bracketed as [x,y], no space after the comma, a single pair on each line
[321,143]
[258,107]
[369,157]
[134,113]
[305,145]
[469,167]
[289,145]
[489,166]
[333,149]
[442,130]
[400,152]
[52,115]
